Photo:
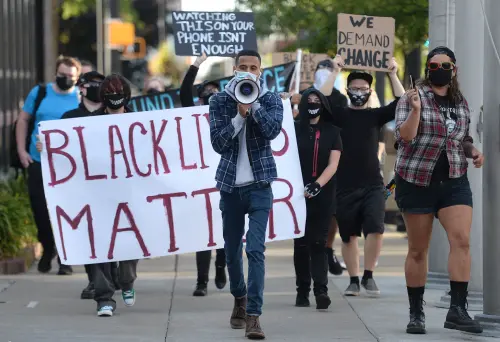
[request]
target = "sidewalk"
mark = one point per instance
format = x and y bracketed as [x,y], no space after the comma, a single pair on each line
[45,308]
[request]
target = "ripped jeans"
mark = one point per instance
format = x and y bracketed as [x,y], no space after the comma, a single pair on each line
[309,256]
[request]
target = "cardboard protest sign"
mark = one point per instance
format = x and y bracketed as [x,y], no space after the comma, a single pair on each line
[213,33]
[274,79]
[139,185]
[309,62]
[365,43]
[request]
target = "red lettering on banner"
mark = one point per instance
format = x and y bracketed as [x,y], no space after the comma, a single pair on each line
[285,200]
[207,116]
[181,147]
[208,207]
[200,143]
[157,150]
[115,152]
[60,213]
[83,151]
[285,145]
[58,150]
[123,207]
[132,148]
[167,204]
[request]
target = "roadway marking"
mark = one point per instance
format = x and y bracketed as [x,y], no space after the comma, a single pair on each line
[32,305]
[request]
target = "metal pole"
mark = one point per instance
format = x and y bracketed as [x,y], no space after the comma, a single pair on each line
[100,35]
[491,199]
[469,30]
[50,44]
[162,33]
[115,62]
[441,32]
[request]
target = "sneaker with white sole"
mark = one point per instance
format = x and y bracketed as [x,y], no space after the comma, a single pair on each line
[129,297]
[370,286]
[105,311]
[352,290]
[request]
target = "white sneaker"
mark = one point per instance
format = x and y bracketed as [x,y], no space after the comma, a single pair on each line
[129,297]
[105,311]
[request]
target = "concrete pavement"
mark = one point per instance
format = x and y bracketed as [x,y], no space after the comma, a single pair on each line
[41,308]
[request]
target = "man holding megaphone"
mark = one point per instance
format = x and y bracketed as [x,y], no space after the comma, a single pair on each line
[244,118]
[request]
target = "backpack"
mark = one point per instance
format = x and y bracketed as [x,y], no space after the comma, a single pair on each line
[15,162]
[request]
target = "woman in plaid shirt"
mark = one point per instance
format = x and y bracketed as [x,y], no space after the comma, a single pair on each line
[432,131]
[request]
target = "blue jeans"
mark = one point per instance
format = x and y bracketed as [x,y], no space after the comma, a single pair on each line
[256,200]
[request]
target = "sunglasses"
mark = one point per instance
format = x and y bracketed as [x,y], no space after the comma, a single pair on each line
[444,65]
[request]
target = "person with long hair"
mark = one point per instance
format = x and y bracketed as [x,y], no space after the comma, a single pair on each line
[432,132]
[320,146]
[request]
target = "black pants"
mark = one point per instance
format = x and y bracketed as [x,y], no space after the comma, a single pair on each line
[309,257]
[88,270]
[39,208]
[203,259]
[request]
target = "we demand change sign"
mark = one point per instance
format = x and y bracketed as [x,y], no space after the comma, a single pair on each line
[213,33]
[365,42]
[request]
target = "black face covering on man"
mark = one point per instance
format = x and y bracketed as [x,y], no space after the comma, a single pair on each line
[114,101]
[357,98]
[93,94]
[64,82]
[314,110]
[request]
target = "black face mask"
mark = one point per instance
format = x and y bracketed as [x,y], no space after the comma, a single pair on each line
[440,77]
[358,99]
[64,82]
[93,94]
[115,101]
[153,91]
[314,110]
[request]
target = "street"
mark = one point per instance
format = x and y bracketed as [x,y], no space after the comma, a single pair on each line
[35,307]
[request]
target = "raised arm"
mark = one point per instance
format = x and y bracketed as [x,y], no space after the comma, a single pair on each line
[268,113]
[186,90]
[408,116]
[338,64]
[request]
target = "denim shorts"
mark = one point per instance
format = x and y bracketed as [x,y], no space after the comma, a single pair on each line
[415,199]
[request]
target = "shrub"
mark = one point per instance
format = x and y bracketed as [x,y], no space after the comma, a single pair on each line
[17,227]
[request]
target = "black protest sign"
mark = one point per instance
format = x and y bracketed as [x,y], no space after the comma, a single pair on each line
[213,33]
[274,79]
[365,42]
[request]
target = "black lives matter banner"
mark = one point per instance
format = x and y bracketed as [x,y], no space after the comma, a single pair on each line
[274,78]
[213,33]
[365,42]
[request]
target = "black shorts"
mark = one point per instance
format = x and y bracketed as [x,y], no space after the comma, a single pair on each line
[360,210]
[416,199]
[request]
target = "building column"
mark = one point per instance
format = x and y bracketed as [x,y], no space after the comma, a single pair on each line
[469,30]
[491,195]
[441,32]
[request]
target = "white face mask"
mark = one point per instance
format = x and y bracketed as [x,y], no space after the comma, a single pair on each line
[320,77]
[240,75]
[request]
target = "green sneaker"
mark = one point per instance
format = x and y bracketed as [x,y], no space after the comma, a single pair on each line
[129,297]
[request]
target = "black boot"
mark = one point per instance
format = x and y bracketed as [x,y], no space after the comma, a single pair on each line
[201,290]
[458,318]
[88,292]
[302,300]
[333,263]
[417,316]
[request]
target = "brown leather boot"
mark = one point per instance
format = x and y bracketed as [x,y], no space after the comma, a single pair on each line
[238,316]
[253,329]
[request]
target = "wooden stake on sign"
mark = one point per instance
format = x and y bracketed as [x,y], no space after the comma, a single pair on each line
[298,67]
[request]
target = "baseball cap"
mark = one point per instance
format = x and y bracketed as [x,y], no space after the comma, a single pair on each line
[89,77]
[360,75]
[202,85]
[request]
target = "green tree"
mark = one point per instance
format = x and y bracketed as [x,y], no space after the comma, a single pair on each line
[314,22]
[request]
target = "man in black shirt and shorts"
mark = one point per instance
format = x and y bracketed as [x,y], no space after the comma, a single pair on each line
[360,187]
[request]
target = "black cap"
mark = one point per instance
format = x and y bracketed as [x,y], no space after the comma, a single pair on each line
[90,76]
[202,85]
[326,63]
[360,75]
[442,50]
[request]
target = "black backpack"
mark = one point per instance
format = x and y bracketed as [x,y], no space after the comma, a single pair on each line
[15,162]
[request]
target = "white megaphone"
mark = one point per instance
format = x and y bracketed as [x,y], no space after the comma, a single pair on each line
[246,91]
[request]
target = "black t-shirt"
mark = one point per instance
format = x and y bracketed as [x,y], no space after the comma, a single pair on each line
[315,147]
[448,110]
[359,165]
[79,112]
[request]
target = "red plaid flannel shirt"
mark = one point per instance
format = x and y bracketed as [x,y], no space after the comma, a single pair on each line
[416,159]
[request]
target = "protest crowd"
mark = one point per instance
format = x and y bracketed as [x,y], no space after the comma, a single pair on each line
[338,189]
